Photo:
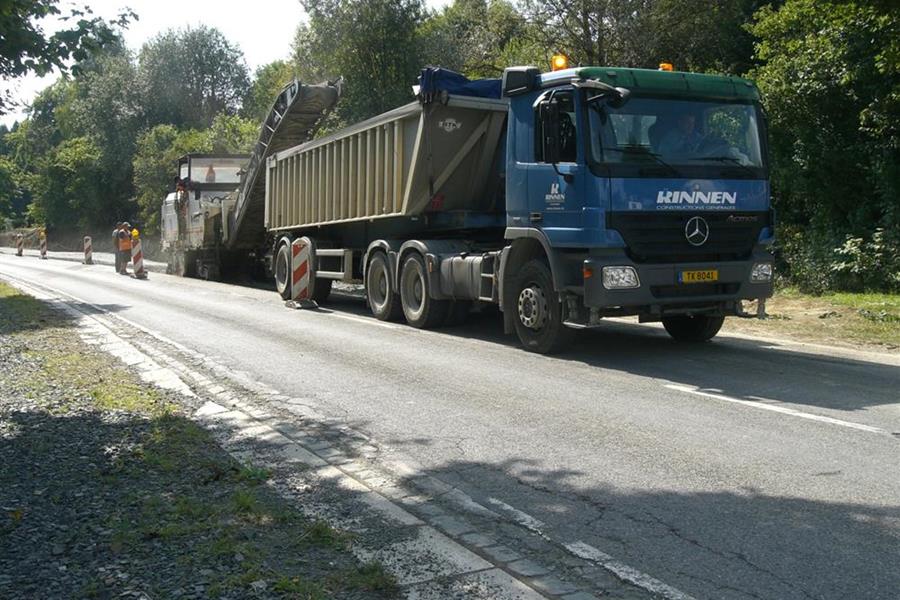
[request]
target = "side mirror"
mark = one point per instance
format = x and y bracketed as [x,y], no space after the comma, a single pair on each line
[550,130]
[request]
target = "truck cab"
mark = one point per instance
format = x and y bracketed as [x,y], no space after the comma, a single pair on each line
[646,191]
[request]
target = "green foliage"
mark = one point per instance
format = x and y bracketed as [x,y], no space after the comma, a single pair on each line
[478,38]
[9,189]
[830,75]
[69,184]
[268,82]
[25,48]
[868,264]
[188,76]
[371,43]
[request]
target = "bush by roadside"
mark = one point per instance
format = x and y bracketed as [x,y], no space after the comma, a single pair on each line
[816,263]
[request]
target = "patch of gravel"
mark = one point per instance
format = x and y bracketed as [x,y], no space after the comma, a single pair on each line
[101,501]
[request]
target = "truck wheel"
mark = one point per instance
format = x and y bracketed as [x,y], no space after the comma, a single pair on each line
[383,299]
[539,314]
[699,328]
[283,271]
[419,308]
[321,290]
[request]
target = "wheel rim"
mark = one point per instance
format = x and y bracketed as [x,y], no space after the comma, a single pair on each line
[281,271]
[378,289]
[533,307]
[413,291]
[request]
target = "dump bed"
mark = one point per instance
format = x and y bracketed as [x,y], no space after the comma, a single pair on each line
[293,119]
[435,155]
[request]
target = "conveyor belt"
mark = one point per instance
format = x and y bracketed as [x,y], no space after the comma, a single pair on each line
[292,120]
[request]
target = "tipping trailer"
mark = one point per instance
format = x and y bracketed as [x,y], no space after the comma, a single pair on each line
[561,197]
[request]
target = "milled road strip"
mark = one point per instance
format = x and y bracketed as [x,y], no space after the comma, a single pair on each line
[259,424]
[766,404]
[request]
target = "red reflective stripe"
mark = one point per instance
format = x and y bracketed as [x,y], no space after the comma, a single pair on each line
[300,271]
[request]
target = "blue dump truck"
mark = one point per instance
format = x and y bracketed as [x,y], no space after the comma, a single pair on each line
[562,197]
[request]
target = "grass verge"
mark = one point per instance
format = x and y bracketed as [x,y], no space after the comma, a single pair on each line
[182,515]
[861,320]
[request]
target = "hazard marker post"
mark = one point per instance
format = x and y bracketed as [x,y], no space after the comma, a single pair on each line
[20,244]
[303,276]
[88,251]
[137,256]
[43,245]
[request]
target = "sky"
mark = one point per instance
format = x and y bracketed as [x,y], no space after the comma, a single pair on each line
[264,32]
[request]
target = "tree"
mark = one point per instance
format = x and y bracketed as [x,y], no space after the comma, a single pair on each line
[25,48]
[67,187]
[590,32]
[479,38]
[105,106]
[188,76]
[371,43]
[830,75]
[268,81]
[698,35]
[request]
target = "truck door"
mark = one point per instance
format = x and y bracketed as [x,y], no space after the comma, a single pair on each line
[555,192]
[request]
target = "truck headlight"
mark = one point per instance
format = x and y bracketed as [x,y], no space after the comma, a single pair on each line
[620,278]
[761,272]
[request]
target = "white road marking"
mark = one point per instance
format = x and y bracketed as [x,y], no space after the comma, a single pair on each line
[767,404]
[522,518]
[623,571]
[362,320]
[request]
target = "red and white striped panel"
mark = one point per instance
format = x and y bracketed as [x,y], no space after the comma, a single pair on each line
[88,251]
[20,244]
[137,259]
[300,270]
[44,246]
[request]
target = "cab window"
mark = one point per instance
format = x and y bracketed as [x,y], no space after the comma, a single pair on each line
[568,142]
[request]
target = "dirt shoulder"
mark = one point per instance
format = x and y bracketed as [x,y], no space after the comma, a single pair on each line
[109,490]
[862,321]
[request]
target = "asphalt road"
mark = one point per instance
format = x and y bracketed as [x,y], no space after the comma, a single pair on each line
[736,469]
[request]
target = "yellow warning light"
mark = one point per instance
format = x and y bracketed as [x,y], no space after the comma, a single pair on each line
[559,62]
[135,233]
[666,67]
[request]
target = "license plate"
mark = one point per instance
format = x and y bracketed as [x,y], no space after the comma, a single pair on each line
[698,276]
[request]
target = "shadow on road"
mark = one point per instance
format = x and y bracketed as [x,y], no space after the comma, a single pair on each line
[753,370]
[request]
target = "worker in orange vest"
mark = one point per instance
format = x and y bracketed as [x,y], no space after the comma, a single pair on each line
[124,247]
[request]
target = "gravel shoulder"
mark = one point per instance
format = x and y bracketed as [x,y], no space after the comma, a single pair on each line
[109,490]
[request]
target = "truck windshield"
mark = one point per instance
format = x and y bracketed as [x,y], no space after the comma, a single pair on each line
[217,170]
[675,133]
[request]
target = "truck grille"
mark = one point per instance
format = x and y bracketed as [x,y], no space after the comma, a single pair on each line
[659,237]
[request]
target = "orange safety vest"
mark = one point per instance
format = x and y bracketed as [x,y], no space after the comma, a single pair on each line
[125,242]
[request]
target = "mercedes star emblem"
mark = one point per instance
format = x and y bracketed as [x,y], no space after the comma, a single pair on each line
[696,231]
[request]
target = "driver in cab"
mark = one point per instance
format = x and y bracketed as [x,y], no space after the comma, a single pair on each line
[683,139]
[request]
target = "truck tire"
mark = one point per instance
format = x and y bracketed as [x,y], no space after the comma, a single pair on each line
[321,290]
[283,271]
[420,309]
[383,299]
[693,329]
[538,312]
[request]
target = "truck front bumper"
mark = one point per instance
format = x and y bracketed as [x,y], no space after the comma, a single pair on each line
[660,290]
